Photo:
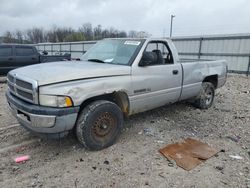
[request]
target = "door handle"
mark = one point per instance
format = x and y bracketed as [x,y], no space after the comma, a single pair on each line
[175,71]
[33,58]
[10,59]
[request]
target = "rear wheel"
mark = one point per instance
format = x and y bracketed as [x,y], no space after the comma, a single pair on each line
[99,125]
[206,96]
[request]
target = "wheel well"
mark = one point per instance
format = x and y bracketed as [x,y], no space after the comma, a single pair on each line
[212,79]
[120,98]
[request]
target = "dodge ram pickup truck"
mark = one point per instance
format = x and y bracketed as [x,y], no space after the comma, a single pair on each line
[112,80]
[15,55]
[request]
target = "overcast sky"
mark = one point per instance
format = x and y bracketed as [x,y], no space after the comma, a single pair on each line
[193,17]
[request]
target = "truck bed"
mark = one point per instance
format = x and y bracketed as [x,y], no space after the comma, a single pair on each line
[194,72]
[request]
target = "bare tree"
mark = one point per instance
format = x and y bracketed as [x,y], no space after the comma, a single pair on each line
[98,32]
[62,34]
[122,34]
[105,33]
[8,37]
[87,31]
[113,32]
[19,36]
[51,35]
[35,35]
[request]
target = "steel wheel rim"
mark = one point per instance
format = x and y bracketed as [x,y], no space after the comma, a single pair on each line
[104,127]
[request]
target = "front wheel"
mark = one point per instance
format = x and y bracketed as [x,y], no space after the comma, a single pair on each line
[206,96]
[99,125]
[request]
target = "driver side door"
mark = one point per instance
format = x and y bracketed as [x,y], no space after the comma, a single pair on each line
[156,84]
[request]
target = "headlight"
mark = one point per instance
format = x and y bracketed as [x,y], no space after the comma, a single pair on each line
[55,101]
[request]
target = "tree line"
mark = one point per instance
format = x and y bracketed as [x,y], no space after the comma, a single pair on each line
[67,34]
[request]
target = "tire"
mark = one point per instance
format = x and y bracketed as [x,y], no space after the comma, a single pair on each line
[99,124]
[206,97]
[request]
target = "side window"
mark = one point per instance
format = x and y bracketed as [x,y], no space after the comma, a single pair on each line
[161,52]
[24,51]
[151,47]
[5,51]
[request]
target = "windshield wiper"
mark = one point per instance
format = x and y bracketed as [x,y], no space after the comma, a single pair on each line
[96,60]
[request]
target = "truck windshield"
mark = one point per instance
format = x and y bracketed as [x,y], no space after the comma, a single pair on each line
[113,51]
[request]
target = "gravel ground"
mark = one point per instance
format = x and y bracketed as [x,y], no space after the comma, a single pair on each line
[134,161]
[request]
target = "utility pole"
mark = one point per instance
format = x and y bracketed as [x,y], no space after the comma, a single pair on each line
[171,25]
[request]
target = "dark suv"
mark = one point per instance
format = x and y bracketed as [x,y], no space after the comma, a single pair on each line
[13,56]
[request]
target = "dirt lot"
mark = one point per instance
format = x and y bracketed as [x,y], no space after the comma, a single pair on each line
[134,161]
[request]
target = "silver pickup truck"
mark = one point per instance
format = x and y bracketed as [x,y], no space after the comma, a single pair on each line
[115,78]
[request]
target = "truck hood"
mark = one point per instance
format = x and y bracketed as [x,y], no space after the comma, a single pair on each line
[48,73]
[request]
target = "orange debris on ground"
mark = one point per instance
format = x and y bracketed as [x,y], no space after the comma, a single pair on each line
[189,153]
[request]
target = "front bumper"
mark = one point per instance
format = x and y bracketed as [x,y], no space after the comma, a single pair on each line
[40,119]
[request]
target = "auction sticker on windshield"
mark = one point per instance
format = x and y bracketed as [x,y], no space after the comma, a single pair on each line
[132,43]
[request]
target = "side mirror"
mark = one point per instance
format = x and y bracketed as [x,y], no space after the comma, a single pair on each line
[148,58]
[45,52]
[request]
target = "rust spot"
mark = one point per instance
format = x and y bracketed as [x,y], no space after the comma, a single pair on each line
[121,99]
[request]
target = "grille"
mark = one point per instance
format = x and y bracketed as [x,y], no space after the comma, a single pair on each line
[24,84]
[25,94]
[22,88]
[11,87]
